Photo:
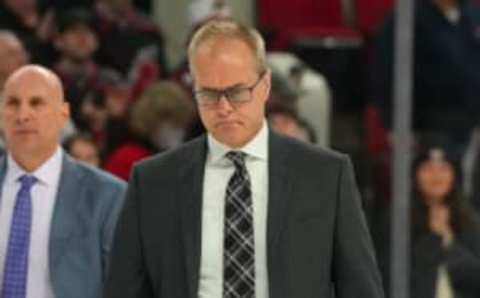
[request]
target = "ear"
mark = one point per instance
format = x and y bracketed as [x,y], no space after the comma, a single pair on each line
[65,111]
[267,83]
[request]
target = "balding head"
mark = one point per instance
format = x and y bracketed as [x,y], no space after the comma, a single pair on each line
[30,73]
[11,47]
[8,37]
[33,114]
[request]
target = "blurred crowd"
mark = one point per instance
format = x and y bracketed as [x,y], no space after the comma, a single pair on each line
[125,103]
[128,102]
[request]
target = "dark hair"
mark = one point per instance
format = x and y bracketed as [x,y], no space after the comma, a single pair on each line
[460,214]
[73,17]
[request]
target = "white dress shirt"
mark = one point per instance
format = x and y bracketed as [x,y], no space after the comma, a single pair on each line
[444,285]
[43,193]
[218,170]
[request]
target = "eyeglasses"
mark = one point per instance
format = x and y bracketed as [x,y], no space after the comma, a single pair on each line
[234,95]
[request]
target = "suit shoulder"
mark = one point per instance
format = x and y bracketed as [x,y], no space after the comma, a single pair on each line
[170,160]
[100,179]
[311,153]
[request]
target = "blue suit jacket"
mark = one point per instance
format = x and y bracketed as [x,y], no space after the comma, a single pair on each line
[84,217]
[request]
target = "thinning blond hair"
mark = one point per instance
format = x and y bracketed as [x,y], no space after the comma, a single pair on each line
[219,28]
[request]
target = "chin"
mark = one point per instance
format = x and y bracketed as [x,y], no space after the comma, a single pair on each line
[234,142]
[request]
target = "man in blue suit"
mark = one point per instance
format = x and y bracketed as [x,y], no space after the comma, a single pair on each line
[57,216]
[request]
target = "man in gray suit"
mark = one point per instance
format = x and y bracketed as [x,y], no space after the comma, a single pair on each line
[241,212]
[57,216]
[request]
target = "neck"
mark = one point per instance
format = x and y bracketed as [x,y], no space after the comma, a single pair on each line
[31,162]
[433,202]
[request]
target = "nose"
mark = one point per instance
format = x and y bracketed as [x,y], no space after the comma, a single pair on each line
[24,113]
[224,106]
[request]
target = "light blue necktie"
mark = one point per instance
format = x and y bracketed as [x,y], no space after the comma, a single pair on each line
[16,262]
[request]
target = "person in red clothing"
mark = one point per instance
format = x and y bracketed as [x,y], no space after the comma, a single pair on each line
[158,122]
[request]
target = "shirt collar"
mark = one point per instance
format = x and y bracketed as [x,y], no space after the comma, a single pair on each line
[257,148]
[46,174]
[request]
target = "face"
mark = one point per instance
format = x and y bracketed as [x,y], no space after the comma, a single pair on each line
[33,114]
[85,151]
[78,43]
[21,5]
[16,54]
[223,64]
[95,115]
[435,179]
[117,100]
[168,135]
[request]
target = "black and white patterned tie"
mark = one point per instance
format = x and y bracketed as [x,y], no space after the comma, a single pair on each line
[238,253]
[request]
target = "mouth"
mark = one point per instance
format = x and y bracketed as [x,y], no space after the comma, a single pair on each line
[23,132]
[228,124]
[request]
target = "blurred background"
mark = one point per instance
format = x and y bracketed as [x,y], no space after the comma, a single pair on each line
[126,76]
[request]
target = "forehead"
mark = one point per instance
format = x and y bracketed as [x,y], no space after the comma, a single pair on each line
[30,85]
[9,43]
[435,163]
[223,62]
[225,51]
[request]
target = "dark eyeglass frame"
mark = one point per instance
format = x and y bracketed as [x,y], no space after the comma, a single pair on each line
[217,95]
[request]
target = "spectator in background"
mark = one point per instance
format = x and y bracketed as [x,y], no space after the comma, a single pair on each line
[82,147]
[159,121]
[445,244]
[200,11]
[130,42]
[446,71]
[84,80]
[105,115]
[446,235]
[286,121]
[32,27]
[13,56]
[12,53]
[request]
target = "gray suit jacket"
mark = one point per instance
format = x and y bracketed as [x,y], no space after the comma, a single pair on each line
[317,238]
[84,218]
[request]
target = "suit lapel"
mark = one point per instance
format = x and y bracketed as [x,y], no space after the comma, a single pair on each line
[191,194]
[278,194]
[3,172]
[69,191]
[191,200]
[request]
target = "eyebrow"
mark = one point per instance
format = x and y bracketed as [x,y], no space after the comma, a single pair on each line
[35,97]
[235,86]
[9,97]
